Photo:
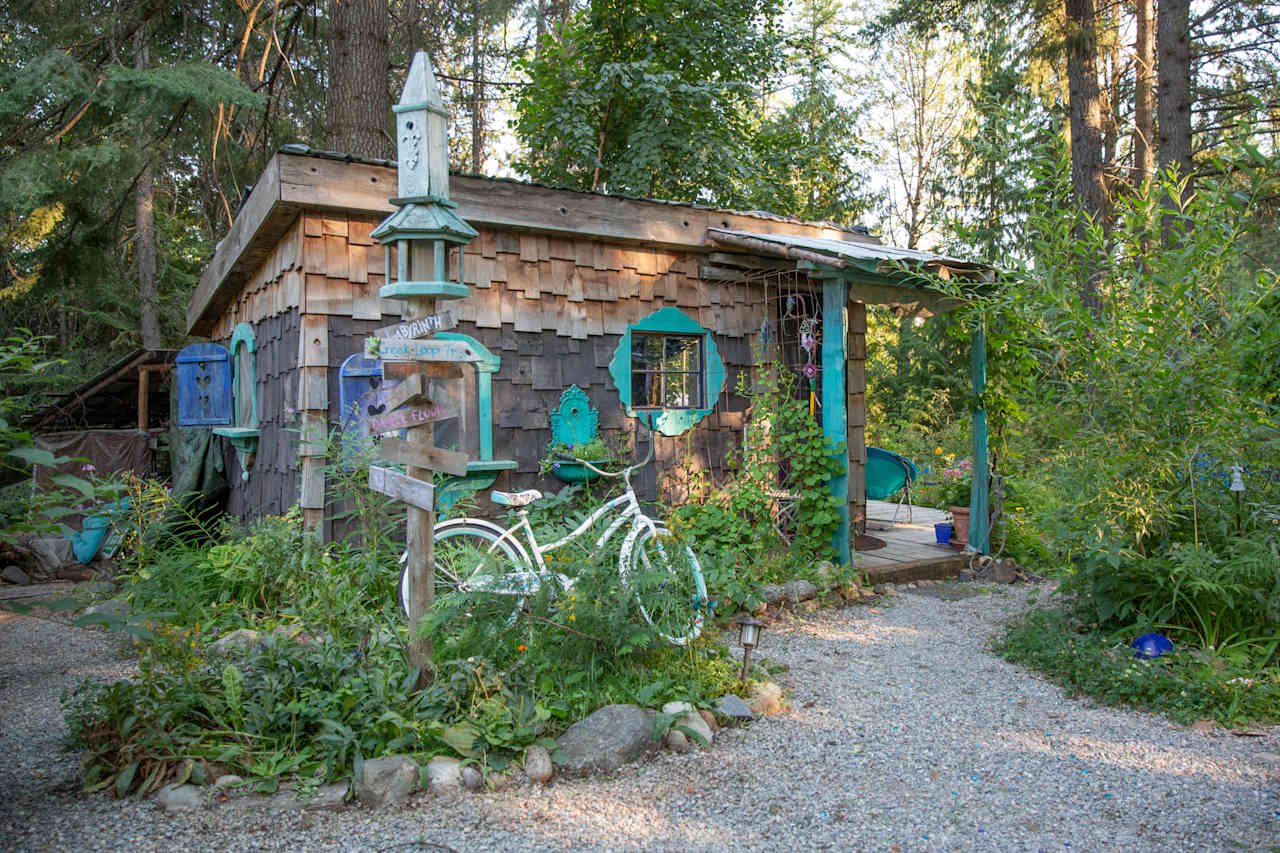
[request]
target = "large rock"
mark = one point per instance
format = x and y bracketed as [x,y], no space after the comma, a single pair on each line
[690,719]
[386,780]
[734,708]
[609,738]
[772,593]
[766,699]
[13,574]
[799,590]
[237,641]
[444,774]
[472,778]
[51,553]
[181,798]
[537,764]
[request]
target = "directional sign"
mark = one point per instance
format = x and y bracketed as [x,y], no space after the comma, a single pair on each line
[409,416]
[400,349]
[393,370]
[441,321]
[436,458]
[402,487]
[412,390]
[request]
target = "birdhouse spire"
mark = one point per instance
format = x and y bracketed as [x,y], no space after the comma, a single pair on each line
[422,138]
[425,232]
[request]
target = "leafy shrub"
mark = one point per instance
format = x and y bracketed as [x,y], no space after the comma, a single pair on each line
[1185,686]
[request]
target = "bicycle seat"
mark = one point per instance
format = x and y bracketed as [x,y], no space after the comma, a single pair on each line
[524,498]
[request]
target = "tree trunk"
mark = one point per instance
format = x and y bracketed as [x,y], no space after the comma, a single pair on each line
[358,105]
[477,93]
[1087,179]
[144,223]
[1144,101]
[1174,106]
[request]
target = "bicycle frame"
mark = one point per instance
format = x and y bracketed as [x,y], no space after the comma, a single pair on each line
[627,502]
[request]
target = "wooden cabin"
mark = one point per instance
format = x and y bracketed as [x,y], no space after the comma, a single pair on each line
[558,281]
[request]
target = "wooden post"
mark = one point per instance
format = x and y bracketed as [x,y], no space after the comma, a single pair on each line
[834,413]
[856,353]
[144,390]
[421,561]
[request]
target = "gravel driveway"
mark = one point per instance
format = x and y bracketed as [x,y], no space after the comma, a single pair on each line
[904,735]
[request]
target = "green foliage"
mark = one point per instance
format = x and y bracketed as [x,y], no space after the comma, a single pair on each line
[786,460]
[327,684]
[1185,686]
[649,98]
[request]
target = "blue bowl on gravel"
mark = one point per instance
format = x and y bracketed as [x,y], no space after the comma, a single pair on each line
[1150,646]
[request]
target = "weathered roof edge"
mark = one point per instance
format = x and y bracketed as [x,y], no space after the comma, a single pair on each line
[860,230]
[297,178]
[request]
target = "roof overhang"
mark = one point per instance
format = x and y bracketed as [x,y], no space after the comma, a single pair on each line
[876,273]
[298,180]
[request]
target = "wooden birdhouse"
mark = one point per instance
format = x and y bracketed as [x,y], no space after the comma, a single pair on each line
[425,228]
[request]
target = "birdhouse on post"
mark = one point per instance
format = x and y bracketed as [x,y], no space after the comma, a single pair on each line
[425,228]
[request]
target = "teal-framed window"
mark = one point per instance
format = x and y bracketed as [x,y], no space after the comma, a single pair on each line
[668,371]
[244,377]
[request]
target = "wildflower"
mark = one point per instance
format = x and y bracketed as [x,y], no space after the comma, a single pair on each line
[522,648]
[572,617]
[88,468]
[937,451]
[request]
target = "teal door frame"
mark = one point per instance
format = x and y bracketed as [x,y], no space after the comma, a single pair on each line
[835,414]
[979,497]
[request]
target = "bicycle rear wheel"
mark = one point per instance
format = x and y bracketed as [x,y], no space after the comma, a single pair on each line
[475,559]
[666,579]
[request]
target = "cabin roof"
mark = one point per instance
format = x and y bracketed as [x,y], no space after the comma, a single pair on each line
[298,178]
[106,400]
[869,258]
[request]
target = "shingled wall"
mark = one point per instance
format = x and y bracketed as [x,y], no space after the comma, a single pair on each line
[553,308]
[272,486]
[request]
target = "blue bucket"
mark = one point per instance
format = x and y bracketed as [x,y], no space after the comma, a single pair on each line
[942,530]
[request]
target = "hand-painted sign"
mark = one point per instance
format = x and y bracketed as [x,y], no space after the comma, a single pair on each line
[409,416]
[412,389]
[442,321]
[395,370]
[402,487]
[436,458]
[400,349]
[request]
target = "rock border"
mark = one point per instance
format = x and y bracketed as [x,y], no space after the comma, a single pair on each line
[624,734]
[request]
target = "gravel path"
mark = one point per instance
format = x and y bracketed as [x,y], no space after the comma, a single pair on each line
[904,735]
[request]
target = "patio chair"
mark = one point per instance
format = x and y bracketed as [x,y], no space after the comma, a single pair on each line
[887,475]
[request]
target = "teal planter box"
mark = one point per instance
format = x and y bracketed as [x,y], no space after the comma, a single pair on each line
[575,472]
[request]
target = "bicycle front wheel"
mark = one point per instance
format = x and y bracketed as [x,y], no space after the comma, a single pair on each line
[475,559]
[666,579]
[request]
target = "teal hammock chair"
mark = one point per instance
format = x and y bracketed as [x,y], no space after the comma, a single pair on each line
[887,475]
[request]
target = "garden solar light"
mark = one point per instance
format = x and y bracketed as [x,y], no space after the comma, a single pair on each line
[748,637]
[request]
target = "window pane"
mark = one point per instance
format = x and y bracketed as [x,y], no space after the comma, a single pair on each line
[682,352]
[646,352]
[645,390]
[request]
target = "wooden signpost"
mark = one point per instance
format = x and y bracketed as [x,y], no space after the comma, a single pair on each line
[441,321]
[394,370]
[436,458]
[412,389]
[423,230]
[402,487]
[403,349]
[408,417]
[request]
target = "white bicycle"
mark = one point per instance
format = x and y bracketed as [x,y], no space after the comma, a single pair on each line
[477,555]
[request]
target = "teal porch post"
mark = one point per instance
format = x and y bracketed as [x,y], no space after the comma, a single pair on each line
[979,501]
[835,418]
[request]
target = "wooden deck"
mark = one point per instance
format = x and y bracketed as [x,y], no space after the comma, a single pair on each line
[911,552]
